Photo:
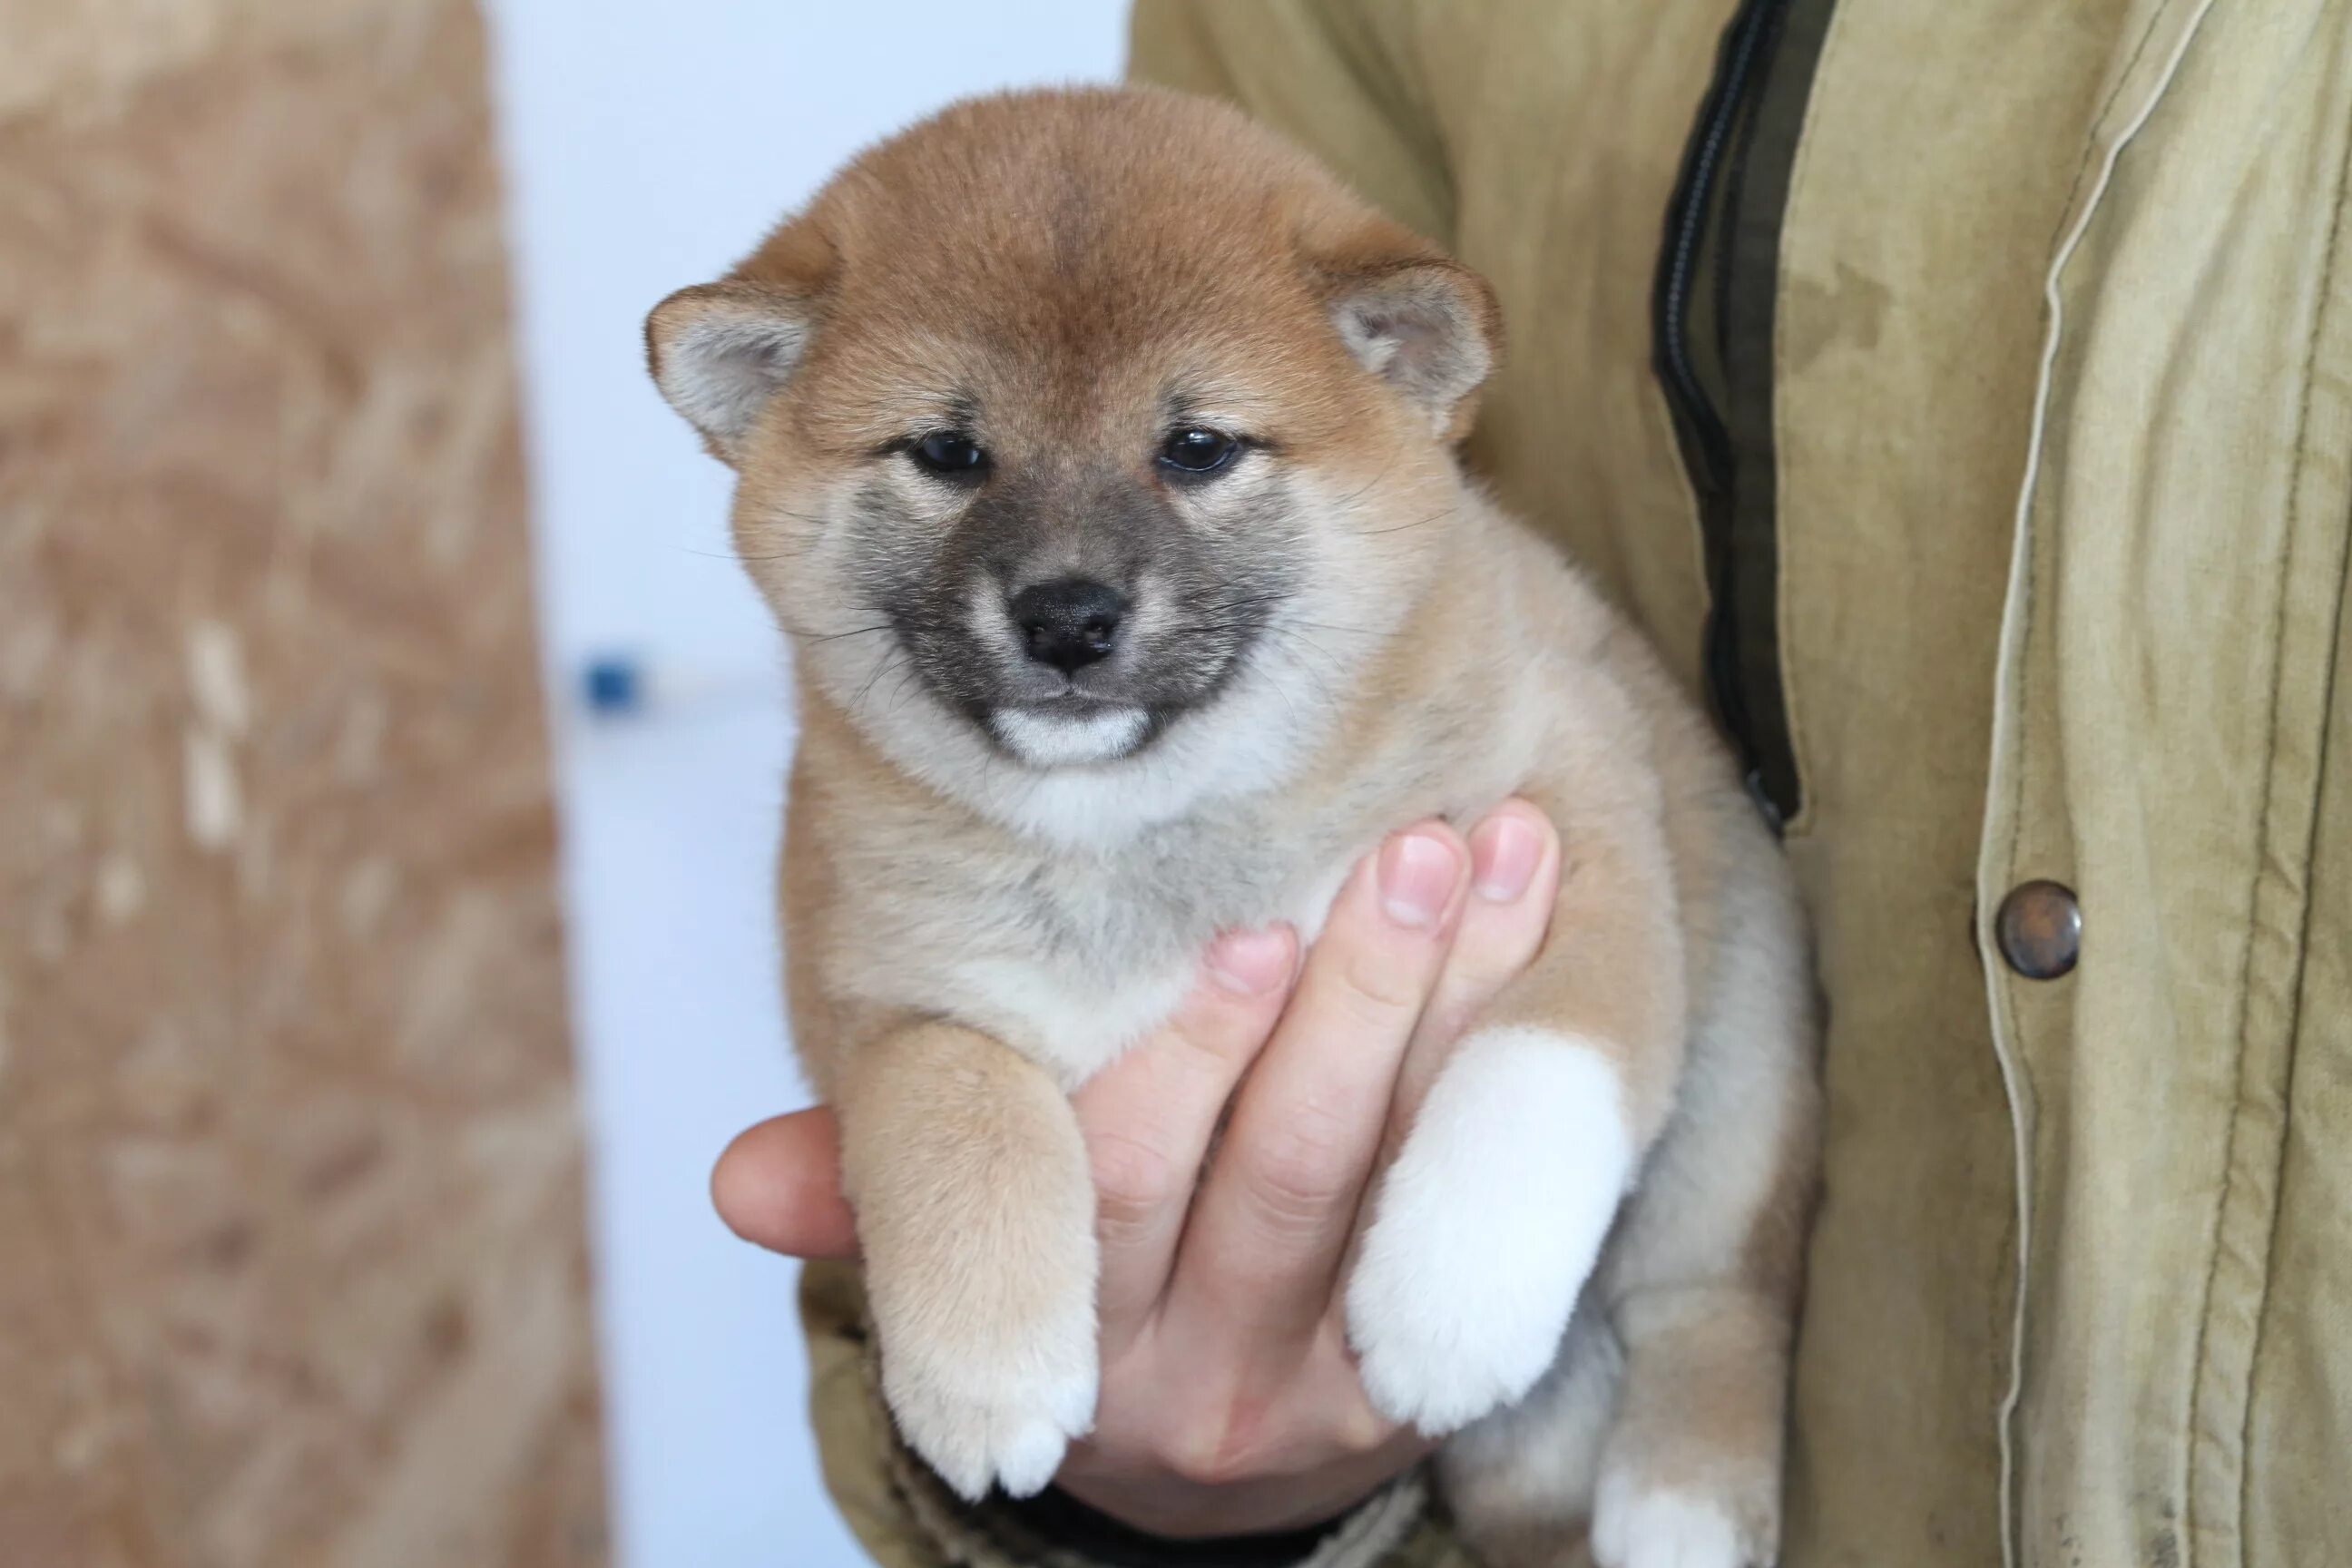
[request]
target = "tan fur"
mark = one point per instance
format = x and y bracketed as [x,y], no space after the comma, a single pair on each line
[970,935]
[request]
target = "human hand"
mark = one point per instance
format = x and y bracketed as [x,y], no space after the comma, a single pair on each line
[1230,1404]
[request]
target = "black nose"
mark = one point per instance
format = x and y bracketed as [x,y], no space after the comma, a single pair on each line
[1069,624]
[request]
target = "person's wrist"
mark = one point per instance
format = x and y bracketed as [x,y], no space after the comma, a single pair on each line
[1273,1495]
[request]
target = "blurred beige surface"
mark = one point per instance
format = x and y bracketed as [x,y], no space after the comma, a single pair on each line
[291,1267]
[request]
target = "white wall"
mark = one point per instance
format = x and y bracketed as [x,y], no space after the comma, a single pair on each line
[646,147]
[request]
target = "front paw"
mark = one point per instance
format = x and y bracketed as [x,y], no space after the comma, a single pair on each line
[1487,1226]
[995,1408]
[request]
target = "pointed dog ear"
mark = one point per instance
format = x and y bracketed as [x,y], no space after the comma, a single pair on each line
[720,350]
[1419,319]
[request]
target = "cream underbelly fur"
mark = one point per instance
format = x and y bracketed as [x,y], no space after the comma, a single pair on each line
[1136,594]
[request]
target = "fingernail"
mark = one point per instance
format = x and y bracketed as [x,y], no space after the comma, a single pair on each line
[1250,963]
[1504,852]
[1417,872]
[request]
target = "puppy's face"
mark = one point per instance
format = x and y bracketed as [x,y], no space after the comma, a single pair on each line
[1063,418]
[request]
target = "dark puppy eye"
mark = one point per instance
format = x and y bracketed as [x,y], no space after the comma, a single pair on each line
[1195,450]
[950,454]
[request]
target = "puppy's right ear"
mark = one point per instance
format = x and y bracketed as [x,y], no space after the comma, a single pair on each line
[720,350]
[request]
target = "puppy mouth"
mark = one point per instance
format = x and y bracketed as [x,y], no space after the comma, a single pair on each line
[1107,709]
[1070,730]
[1086,718]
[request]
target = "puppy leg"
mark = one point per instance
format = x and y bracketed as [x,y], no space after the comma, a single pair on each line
[1520,1483]
[1513,1168]
[1702,1279]
[975,1215]
[1691,1474]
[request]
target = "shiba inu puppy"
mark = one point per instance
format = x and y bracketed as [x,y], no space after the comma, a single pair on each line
[1096,451]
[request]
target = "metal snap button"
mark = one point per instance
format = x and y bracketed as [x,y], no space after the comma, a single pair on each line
[2040,927]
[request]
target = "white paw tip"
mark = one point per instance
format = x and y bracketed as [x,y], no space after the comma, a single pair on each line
[1011,1438]
[1073,1414]
[1486,1226]
[1663,1527]
[1436,1362]
[968,1478]
[1030,1457]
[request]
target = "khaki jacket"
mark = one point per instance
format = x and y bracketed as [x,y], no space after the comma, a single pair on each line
[1994,479]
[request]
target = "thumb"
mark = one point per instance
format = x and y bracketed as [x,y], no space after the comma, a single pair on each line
[778,1185]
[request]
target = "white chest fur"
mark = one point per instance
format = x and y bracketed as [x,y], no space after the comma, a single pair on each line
[1070,935]
[1058,1019]
[1074,1004]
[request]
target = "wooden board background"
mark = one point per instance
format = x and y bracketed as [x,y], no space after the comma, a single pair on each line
[291,1261]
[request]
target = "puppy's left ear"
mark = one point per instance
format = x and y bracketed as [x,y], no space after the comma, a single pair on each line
[1421,322]
[720,350]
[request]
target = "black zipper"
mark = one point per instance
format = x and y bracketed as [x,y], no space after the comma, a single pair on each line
[1717,152]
